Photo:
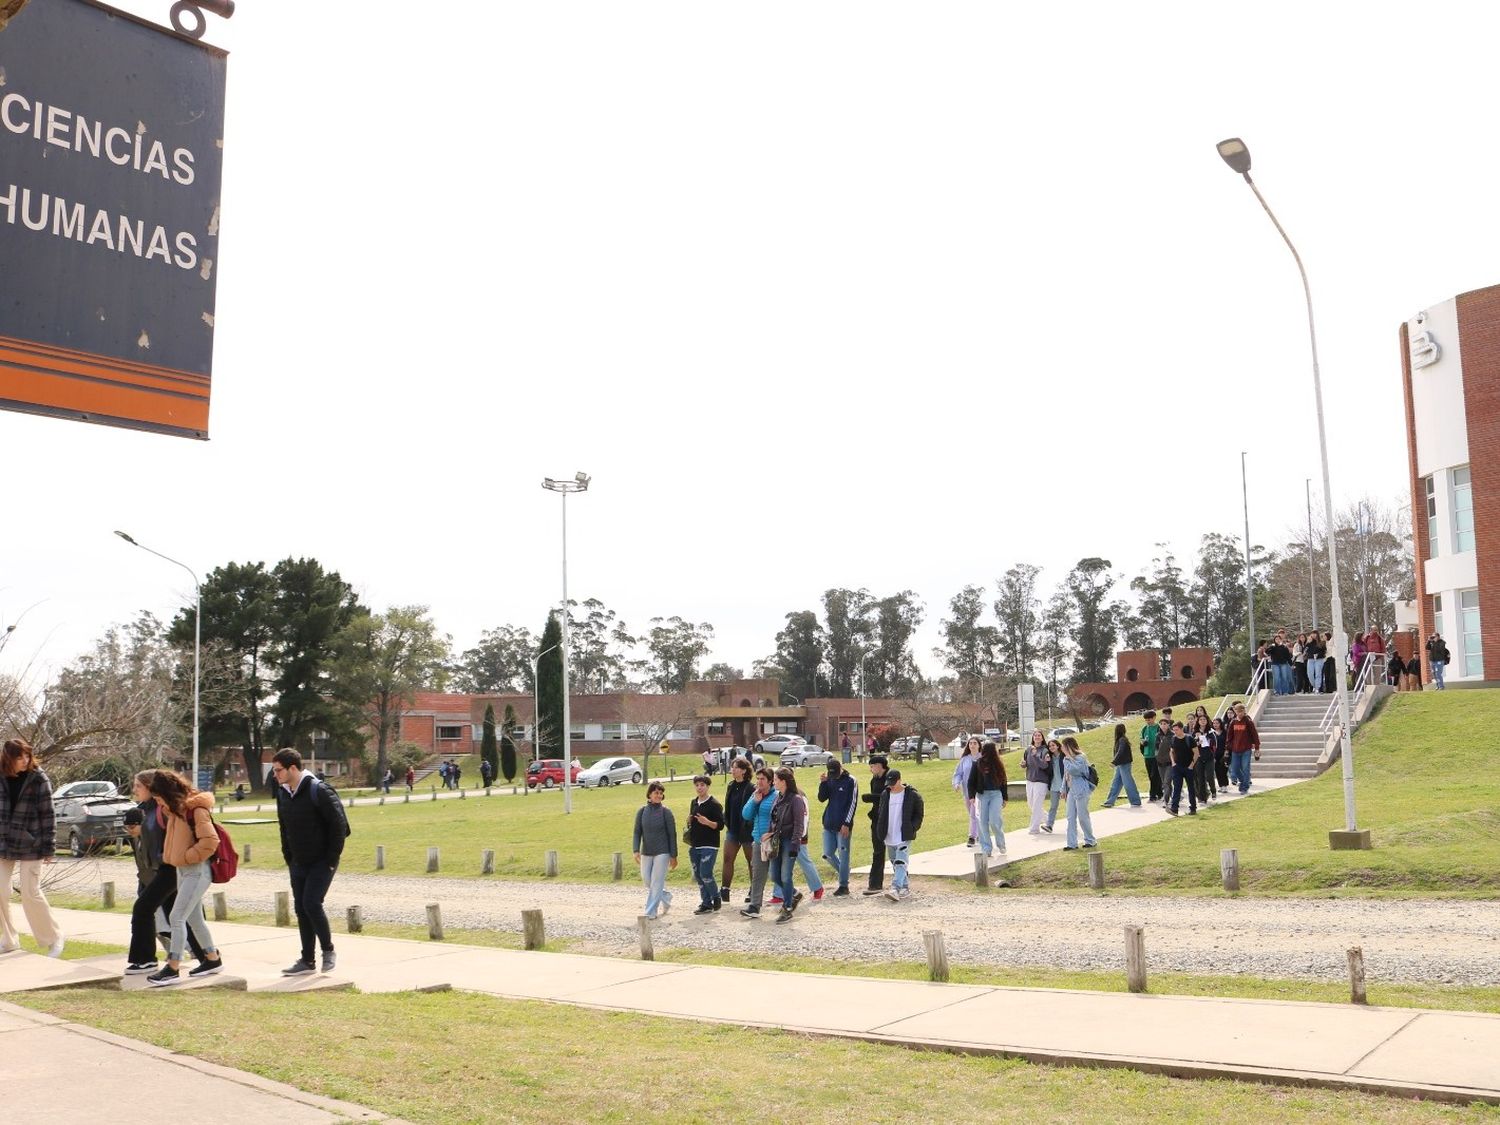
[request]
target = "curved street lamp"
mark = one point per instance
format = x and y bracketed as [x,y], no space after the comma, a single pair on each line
[1236,154]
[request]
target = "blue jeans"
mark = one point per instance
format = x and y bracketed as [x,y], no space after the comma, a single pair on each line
[897,854]
[1315,675]
[1281,678]
[1078,813]
[1123,777]
[703,860]
[785,867]
[193,882]
[809,870]
[1438,667]
[1182,776]
[991,813]
[654,874]
[1052,812]
[836,852]
[1239,769]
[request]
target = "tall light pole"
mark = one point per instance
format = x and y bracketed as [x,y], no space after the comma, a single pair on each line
[197,633]
[1364,565]
[1249,584]
[1312,579]
[864,729]
[1237,156]
[579,483]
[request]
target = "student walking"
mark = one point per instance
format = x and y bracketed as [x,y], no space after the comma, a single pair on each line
[190,840]
[898,822]
[28,838]
[411,778]
[987,784]
[156,881]
[1437,659]
[654,843]
[872,798]
[1203,773]
[1079,786]
[1221,754]
[757,813]
[1241,739]
[1038,762]
[1149,734]
[963,769]
[840,797]
[313,829]
[705,823]
[1183,753]
[1123,778]
[738,839]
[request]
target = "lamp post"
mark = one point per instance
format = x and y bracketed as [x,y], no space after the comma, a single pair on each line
[579,483]
[1312,580]
[1249,584]
[197,633]
[864,728]
[1237,155]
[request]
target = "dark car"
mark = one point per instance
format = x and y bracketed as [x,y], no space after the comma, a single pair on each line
[87,823]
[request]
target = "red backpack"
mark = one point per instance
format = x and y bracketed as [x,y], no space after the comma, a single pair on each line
[224,864]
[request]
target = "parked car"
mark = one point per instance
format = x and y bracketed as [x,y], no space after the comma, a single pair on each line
[907,747]
[85,789]
[776,743]
[807,755]
[610,771]
[86,822]
[1059,732]
[548,773]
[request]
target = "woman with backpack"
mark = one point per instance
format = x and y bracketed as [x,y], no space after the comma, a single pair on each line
[27,841]
[986,786]
[1078,784]
[190,841]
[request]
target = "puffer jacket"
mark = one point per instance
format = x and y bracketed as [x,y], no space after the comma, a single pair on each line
[187,844]
[26,831]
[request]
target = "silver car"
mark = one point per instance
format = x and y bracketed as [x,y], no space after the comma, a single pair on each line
[807,755]
[611,771]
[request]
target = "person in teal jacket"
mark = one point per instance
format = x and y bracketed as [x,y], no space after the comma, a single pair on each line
[757,812]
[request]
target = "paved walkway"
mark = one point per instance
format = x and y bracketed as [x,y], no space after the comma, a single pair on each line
[958,861]
[1448,1055]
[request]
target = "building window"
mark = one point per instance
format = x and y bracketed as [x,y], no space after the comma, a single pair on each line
[787,727]
[577,732]
[717,726]
[1437,613]
[1468,627]
[450,734]
[1430,490]
[1463,510]
[613,732]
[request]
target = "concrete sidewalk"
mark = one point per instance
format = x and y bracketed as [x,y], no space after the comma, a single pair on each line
[1453,1056]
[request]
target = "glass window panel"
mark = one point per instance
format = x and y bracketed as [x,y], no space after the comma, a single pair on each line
[1468,623]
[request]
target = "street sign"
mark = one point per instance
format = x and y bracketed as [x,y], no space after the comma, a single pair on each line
[1026,705]
[111,147]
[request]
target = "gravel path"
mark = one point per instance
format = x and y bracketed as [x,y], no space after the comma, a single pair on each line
[1433,941]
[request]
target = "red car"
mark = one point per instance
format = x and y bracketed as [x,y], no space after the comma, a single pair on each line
[548,773]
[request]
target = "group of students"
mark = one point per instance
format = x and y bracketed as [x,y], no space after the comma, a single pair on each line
[766,818]
[1203,756]
[1306,662]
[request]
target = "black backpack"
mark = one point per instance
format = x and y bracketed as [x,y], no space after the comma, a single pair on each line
[333,795]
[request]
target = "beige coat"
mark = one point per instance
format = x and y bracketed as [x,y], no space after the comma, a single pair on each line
[187,844]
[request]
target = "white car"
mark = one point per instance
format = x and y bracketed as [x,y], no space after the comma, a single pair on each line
[807,755]
[611,771]
[85,789]
[776,743]
[1059,732]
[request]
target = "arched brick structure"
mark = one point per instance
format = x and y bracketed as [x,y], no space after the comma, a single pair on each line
[1138,685]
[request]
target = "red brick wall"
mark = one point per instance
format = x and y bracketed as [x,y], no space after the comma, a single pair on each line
[1479,343]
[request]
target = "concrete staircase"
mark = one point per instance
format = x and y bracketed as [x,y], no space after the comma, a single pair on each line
[1290,741]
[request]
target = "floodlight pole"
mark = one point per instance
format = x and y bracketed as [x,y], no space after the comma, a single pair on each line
[580,483]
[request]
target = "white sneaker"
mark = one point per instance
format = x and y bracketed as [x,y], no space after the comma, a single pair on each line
[905,893]
[7,947]
[55,949]
[893,894]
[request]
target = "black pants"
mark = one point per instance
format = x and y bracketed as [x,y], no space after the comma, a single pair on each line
[1153,775]
[1205,777]
[309,887]
[160,893]
[877,860]
[1221,768]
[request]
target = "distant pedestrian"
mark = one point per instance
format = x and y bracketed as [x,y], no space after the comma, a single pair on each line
[1330,664]
[1221,754]
[705,824]
[1079,787]
[1038,763]
[1437,659]
[190,840]
[1395,669]
[840,795]
[486,772]
[1414,668]
[898,822]
[1241,739]
[739,837]
[454,773]
[872,798]
[1183,753]
[757,813]
[1280,656]
[962,769]
[844,747]
[313,830]
[1123,778]
[1057,786]
[385,782]
[443,773]
[654,843]
[27,840]
[411,778]
[1316,655]
[710,759]
[987,784]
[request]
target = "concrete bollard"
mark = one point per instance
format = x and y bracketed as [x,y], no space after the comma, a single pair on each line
[434,921]
[434,794]
[1096,871]
[407,801]
[619,867]
[552,867]
[462,793]
[1229,868]
[487,862]
[1135,958]
[1357,976]
[533,930]
[106,895]
[379,857]
[382,800]
[937,955]
[643,926]
[283,908]
[356,920]
[981,870]
[221,906]
[245,855]
[432,861]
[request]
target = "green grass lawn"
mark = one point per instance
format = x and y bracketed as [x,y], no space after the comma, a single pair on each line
[457,1058]
[1422,787]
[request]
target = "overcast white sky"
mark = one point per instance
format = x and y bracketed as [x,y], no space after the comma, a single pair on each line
[861,294]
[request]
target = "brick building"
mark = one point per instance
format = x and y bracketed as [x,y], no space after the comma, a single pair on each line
[1140,685]
[1450,372]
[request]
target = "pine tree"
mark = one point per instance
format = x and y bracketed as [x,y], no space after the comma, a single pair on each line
[489,749]
[547,741]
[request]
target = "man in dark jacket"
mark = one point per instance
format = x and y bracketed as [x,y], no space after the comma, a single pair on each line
[872,798]
[312,841]
[841,797]
[897,823]
[704,824]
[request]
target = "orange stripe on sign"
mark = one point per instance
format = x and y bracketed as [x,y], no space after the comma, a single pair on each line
[103,397]
[54,351]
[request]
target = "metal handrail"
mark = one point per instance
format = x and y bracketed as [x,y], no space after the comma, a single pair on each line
[1366,667]
[1257,678]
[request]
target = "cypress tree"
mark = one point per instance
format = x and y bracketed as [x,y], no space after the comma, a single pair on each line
[489,749]
[548,740]
[508,744]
